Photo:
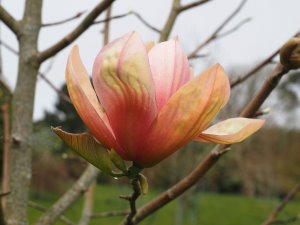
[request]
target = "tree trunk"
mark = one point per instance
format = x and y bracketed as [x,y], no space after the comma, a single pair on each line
[22,112]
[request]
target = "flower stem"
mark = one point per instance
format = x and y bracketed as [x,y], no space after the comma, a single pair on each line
[132,201]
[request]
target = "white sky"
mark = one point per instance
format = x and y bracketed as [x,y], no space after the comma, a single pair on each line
[273,22]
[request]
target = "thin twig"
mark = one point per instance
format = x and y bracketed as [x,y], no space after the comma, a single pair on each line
[9,21]
[42,75]
[59,92]
[43,209]
[67,199]
[76,16]
[9,48]
[109,214]
[193,4]
[120,16]
[254,70]
[235,28]
[137,15]
[69,38]
[132,202]
[4,194]
[271,218]
[214,35]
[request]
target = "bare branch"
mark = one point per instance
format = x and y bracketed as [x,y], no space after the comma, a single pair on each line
[132,201]
[4,194]
[251,108]
[9,48]
[88,205]
[60,93]
[73,35]
[43,209]
[137,15]
[5,109]
[120,16]
[76,16]
[235,28]
[106,26]
[175,11]
[164,35]
[193,4]
[268,60]
[214,35]
[109,214]
[254,70]
[270,220]
[10,21]
[62,204]
[42,75]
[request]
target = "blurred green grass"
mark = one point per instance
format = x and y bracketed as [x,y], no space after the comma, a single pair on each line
[198,208]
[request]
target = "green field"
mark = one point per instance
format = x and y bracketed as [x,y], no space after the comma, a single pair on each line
[200,208]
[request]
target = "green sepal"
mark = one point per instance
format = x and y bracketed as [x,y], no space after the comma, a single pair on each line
[143,183]
[117,161]
[134,170]
[88,148]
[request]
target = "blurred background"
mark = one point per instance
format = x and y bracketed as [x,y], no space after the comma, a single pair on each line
[251,178]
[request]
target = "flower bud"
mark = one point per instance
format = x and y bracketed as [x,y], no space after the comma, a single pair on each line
[290,54]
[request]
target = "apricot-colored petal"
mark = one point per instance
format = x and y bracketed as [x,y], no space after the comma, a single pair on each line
[149,45]
[86,103]
[170,69]
[231,130]
[123,82]
[186,114]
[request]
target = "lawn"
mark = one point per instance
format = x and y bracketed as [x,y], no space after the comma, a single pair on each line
[198,208]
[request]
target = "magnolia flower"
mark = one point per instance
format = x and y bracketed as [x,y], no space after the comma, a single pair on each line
[144,104]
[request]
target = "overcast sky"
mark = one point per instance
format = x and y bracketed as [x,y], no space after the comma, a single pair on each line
[273,22]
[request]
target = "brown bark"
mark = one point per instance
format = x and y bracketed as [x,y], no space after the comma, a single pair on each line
[59,207]
[88,205]
[22,107]
[5,158]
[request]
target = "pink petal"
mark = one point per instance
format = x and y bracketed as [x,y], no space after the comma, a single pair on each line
[86,103]
[124,85]
[185,115]
[170,69]
[231,130]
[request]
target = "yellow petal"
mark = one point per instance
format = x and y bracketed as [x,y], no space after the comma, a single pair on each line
[231,130]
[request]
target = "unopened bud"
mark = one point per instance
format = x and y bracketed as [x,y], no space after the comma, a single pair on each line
[290,54]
